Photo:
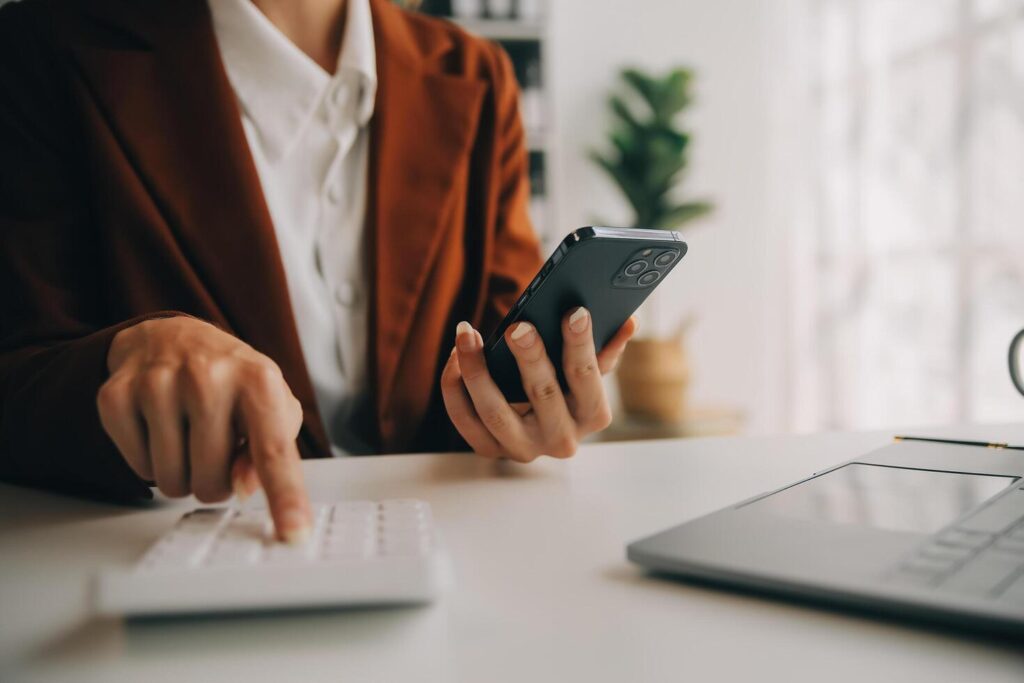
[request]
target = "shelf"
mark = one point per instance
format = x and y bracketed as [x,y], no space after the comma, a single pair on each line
[503,29]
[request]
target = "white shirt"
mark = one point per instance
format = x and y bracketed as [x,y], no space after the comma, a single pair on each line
[309,138]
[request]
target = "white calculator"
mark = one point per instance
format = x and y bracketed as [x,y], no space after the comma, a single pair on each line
[221,559]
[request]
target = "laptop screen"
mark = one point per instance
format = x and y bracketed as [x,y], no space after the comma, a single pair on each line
[895,498]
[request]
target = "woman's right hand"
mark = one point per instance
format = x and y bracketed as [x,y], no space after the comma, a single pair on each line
[198,411]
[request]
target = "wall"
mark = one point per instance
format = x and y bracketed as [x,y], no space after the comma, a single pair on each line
[724,280]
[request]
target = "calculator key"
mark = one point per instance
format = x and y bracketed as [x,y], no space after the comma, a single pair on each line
[354,509]
[405,548]
[347,528]
[401,523]
[280,553]
[234,554]
[398,506]
[342,540]
[165,557]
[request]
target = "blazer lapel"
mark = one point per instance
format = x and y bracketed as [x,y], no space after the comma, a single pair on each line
[423,126]
[173,111]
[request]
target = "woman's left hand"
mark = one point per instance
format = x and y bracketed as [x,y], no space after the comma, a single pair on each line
[553,422]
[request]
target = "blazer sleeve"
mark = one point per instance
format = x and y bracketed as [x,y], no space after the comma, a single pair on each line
[53,334]
[516,255]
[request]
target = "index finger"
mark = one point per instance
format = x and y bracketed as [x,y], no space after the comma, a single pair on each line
[271,428]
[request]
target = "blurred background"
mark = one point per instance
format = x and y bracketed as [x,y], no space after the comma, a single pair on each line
[862,265]
[860,262]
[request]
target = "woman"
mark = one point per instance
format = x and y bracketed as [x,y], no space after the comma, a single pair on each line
[237,233]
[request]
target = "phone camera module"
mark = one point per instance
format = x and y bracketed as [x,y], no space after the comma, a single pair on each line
[666,258]
[636,267]
[649,278]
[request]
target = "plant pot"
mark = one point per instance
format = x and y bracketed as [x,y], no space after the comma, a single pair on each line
[653,376]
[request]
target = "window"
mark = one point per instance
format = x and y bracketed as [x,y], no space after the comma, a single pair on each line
[908,271]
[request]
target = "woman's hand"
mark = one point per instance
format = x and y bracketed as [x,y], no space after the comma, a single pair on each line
[553,422]
[198,411]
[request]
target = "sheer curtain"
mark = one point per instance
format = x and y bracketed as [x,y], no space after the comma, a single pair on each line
[899,196]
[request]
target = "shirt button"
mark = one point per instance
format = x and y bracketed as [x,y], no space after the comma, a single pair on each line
[341,92]
[333,193]
[345,294]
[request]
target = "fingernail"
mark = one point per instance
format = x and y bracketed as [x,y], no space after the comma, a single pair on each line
[295,527]
[578,320]
[523,335]
[464,337]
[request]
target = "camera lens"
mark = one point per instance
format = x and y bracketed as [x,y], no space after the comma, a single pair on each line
[665,259]
[649,278]
[636,267]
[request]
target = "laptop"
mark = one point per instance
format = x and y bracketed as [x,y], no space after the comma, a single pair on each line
[926,531]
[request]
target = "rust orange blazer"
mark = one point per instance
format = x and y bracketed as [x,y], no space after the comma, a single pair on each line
[127,191]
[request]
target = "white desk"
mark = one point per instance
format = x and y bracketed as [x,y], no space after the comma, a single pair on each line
[543,590]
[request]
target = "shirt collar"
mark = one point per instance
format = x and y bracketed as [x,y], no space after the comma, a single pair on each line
[278,86]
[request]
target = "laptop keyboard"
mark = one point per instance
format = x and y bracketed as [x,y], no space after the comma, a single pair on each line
[982,556]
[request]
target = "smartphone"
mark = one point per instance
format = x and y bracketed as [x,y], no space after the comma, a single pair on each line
[610,271]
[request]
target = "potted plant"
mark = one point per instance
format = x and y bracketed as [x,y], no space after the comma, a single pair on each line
[647,160]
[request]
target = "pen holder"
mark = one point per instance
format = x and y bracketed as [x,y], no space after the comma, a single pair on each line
[653,376]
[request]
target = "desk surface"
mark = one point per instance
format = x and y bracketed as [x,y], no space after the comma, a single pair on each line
[543,591]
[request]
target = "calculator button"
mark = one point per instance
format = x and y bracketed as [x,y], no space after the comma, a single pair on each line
[405,546]
[356,510]
[234,554]
[402,506]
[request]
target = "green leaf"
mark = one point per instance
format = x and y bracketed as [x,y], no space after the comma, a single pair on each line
[677,92]
[630,187]
[648,151]
[622,111]
[681,213]
[644,86]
